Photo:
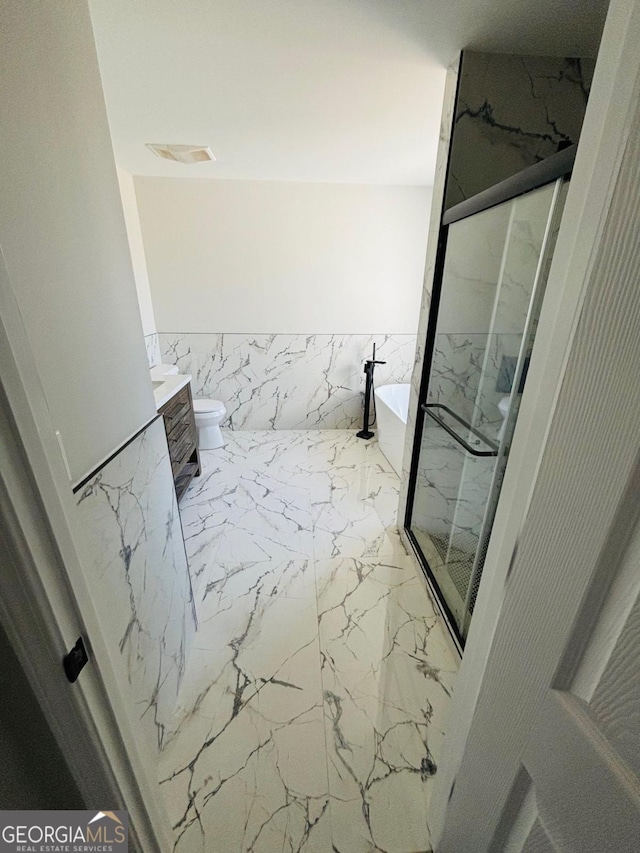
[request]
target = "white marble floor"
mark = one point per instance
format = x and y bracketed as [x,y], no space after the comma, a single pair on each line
[312,710]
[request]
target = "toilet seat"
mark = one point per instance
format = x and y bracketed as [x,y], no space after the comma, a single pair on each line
[208,407]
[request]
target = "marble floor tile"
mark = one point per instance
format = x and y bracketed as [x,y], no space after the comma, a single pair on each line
[350,527]
[245,768]
[204,510]
[354,512]
[337,450]
[202,526]
[267,518]
[387,680]
[259,449]
[311,714]
[252,786]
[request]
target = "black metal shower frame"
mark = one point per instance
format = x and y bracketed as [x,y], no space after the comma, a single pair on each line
[545,172]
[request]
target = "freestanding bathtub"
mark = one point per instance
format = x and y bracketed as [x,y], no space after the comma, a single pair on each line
[392,407]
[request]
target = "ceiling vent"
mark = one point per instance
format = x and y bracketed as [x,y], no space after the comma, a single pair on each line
[182,153]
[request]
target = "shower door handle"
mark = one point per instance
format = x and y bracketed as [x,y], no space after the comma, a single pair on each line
[427,409]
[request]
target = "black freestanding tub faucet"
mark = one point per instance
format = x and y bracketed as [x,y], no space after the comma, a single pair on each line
[369,367]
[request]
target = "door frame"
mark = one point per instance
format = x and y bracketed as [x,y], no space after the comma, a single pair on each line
[600,155]
[45,602]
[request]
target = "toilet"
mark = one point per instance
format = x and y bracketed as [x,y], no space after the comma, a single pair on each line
[208,414]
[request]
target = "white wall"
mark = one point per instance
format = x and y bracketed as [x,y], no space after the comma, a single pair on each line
[62,230]
[275,257]
[136,246]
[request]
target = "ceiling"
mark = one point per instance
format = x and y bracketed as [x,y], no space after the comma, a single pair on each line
[306,90]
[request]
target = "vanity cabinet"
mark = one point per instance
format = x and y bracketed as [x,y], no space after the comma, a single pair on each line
[182,438]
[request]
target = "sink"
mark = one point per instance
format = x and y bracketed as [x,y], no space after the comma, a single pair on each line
[160,371]
[156,383]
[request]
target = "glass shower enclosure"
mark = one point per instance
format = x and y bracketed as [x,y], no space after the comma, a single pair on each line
[494,255]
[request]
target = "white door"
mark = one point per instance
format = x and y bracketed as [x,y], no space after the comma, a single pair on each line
[551,760]
[41,592]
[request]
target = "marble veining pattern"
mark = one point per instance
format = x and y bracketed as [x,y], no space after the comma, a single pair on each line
[455,371]
[464,376]
[138,574]
[312,711]
[512,112]
[287,381]
[152,344]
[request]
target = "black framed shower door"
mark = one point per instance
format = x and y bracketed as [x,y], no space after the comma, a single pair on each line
[493,256]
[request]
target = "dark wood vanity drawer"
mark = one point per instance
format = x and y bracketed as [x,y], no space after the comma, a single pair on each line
[183,443]
[174,422]
[177,409]
[177,431]
[178,465]
[182,438]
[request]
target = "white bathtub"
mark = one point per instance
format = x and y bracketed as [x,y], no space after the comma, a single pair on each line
[392,407]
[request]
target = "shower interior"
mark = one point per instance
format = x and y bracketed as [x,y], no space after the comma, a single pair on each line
[484,320]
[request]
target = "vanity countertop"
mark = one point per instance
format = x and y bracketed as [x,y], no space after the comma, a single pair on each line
[170,385]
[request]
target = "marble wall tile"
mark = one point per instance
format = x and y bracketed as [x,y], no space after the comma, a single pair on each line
[287,381]
[486,416]
[137,571]
[512,112]
[455,371]
[152,343]
[464,376]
